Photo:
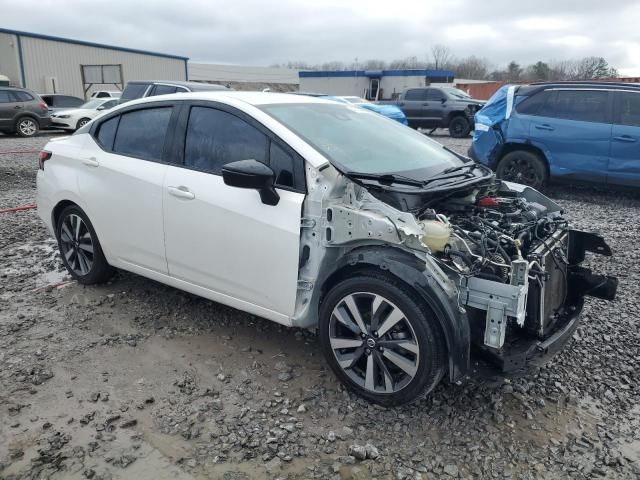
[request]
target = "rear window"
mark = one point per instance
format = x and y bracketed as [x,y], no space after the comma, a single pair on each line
[535,104]
[134,90]
[141,133]
[107,132]
[65,101]
[581,105]
[5,96]
[162,90]
[22,96]
[627,109]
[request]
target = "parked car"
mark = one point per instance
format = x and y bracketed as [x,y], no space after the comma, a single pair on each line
[571,131]
[311,213]
[389,111]
[56,101]
[142,89]
[75,118]
[106,94]
[438,107]
[22,112]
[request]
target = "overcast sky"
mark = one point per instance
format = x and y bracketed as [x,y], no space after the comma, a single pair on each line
[254,32]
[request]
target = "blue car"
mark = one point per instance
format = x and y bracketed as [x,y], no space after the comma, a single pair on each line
[389,111]
[572,131]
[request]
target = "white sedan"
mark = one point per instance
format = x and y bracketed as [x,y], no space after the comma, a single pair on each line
[75,118]
[318,214]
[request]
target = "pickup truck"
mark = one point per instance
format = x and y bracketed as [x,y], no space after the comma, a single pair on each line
[438,107]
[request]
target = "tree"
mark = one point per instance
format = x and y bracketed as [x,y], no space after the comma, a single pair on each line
[539,71]
[441,55]
[513,71]
[471,67]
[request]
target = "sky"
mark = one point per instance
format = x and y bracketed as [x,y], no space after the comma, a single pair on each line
[251,32]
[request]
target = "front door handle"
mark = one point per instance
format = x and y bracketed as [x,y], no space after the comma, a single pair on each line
[625,138]
[181,192]
[544,126]
[91,162]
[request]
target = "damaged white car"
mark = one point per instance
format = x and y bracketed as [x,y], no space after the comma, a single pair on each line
[406,257]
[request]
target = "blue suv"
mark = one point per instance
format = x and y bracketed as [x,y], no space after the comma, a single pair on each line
[582,131]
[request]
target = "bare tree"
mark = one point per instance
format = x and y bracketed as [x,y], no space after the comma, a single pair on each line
[441,55]
[471,67]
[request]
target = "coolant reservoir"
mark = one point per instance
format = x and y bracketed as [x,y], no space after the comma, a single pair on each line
[436,234]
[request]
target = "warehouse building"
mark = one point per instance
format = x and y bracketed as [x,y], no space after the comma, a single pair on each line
[371,84]
[245,77]
[47,64]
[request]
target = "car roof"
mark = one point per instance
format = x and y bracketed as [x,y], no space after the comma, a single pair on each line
[251,98]
[3,87]
[192,85]
[584,84]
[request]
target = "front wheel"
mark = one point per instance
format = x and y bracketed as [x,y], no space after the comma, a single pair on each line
[79,247]
[27,127]
[380,342]
[459,127]
[524,167]
[82,122]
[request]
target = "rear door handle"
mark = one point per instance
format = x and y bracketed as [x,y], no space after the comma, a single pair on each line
[625,138]
[91,162]
[181,192]
[17,107]
[544,126]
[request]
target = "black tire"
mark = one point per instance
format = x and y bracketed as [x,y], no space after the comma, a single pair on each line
[82,122]
[525,167]
[80,249]
[27,127]
[418,329]
[459,127]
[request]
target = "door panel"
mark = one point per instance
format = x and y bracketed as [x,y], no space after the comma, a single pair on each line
[624,163]
[226,240]
[124,196]
[573,131]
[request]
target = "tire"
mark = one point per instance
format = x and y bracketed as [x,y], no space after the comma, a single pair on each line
[522,166]
[459,127]
[82,122]
[27,127]
[390,368]
[89,266]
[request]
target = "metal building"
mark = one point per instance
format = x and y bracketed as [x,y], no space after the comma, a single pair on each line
[370,84]
[47,64]
[245,77]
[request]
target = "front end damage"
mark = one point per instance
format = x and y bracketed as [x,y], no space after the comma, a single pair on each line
[496,262]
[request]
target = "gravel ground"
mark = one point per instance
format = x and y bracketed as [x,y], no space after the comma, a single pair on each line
[134,379]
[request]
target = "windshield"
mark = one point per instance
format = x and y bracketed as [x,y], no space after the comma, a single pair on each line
[92,104]
[456,93]
[357,140]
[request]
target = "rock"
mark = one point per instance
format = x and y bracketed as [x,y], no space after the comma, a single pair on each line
[358,451]
[301,408]
[132,422]
[451,470]
[331,436]
[284,376]
[371,451]
[273,465]
[94,397]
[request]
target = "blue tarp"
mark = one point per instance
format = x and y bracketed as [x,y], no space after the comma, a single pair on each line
[497,108]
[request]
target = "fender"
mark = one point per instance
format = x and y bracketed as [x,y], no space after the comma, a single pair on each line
[412,271]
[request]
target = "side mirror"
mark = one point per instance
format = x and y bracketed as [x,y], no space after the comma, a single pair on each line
[100,108]
[252,174]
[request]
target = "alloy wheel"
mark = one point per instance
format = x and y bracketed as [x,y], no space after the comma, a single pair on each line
[374,342]
[82,123]
[27,127]
[520,170]
[77,245]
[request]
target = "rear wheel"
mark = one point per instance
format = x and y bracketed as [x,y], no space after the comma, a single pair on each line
[379,341]
[459,127]
[522,166]
[79,247]
[27,127]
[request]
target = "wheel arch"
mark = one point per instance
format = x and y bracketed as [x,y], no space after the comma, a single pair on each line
[30,115]
[410,272]
[527,147]
[454,114]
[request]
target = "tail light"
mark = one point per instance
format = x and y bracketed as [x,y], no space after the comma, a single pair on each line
[43,105]
[43,156]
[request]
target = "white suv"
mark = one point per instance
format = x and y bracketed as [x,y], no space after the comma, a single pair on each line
[318,214]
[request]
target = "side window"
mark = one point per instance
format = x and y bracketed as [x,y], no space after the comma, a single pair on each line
[5,96]
[162,90]
[537,104]
[67,101]
[102,95]
[141,133]
[134,90]
[215,138]
[283,165]
[581,105]
[23,96]
[435,95]
[416,94]
[627,109]
[48,100]
[107,132]
[109,104]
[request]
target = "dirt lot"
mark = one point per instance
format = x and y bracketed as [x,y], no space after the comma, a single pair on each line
[133,379]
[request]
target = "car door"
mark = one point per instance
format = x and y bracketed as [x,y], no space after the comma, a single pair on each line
[624,161]
[572,128]
[121,183]
[7,109]
[413,105]
[435,105]
[223,239]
